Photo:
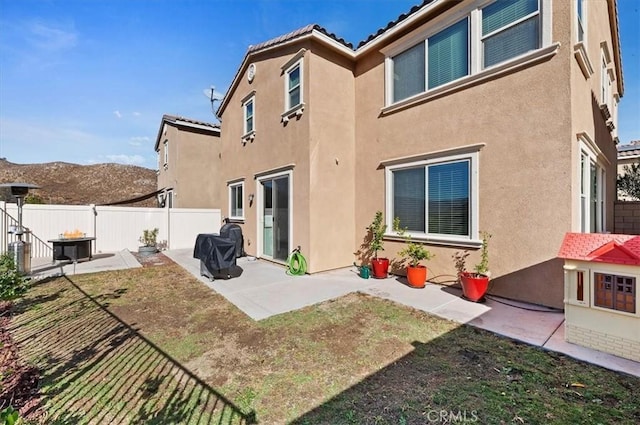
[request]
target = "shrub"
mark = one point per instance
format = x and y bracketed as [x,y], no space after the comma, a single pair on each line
[12,283]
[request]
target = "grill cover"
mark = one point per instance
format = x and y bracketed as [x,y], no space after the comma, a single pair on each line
[216,252]
[234,232]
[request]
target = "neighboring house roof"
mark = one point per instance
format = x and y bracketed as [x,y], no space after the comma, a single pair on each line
[629,150]
[601,248]
[185,122]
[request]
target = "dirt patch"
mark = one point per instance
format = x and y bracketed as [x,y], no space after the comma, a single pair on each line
[157,259]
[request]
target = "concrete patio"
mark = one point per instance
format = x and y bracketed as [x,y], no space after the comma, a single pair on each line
[263,289]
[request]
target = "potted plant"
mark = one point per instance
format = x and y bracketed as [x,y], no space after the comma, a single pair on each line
[379,266]
[149,242]
[413,253]
[474,284]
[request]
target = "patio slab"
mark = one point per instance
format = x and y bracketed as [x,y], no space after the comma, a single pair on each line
[43,267]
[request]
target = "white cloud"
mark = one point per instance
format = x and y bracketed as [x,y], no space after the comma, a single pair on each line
[117,114]
[137,114]
[127,159]
[138,141]
[50,37]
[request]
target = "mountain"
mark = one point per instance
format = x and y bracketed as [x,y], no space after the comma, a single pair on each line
[74,184]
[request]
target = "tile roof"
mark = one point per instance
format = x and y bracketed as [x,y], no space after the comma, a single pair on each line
[602,248]
[295,34]
[395,22]
[174,118]
[630,149]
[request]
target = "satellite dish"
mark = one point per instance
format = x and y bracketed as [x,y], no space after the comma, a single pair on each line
[212,94]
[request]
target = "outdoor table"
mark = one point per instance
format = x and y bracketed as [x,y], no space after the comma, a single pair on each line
[72,249]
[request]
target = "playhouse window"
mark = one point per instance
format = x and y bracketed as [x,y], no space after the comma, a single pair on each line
[615,292]
[580,287]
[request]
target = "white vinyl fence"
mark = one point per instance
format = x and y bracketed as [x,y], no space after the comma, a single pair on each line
[115,228]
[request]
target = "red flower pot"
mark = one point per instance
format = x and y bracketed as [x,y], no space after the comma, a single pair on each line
[474,285]
[380,267]
[417,276]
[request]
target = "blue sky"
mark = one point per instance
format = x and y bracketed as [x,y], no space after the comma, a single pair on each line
[87,81]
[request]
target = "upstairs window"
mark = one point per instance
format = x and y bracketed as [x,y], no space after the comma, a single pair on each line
[236,201]
[293,85]
[165,146]
[248,106]
[580,20]
[509,28]
[468,42]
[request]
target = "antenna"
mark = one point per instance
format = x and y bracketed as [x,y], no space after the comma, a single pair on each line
[213,96]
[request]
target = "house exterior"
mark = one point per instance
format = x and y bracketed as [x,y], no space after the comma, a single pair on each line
[458,117]
[186,149]
[602,305]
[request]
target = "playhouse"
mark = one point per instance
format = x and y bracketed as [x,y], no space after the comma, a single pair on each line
[602,306]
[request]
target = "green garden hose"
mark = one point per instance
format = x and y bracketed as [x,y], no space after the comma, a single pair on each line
[296,263]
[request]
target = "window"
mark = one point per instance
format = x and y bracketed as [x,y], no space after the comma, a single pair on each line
[615,292]
[605,81]
[580,20]
[471,41]
[293,85]
[236,200]
[166,153]
[592,178]
[169,200]
[248,106]
[435,198]
[509,28]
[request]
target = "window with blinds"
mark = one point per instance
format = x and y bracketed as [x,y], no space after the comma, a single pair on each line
[498,32]
[509,28]
[235,201]
[434,198]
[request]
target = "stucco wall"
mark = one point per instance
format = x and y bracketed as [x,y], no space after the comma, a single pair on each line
[332,159]
[190,170]
[525,201]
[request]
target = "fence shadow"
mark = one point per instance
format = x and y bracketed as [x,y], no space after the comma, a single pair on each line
[99,369]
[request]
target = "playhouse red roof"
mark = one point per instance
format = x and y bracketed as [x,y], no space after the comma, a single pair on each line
[601,247]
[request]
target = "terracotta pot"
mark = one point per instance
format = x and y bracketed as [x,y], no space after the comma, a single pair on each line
[380,268]
[474,285]
[417,276]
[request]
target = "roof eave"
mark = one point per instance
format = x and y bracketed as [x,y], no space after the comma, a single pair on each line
[425,11]
[615,38]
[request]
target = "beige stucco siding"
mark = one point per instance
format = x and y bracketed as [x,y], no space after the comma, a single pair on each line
[275,145]
[332,156]
[525,195]
[586,117]
[191,169]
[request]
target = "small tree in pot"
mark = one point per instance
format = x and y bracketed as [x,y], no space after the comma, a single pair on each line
[149,242]
[379,266]
[474,284]
[414,253]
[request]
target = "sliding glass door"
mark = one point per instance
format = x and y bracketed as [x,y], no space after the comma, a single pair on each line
[275,217]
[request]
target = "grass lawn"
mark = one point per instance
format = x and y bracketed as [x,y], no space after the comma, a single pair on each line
[154,345]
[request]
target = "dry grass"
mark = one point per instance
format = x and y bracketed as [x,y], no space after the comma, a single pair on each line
[154,345]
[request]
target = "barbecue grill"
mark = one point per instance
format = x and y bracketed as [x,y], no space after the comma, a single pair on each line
[218,252]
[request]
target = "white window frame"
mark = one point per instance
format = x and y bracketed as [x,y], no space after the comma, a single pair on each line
[477,72]
[605,80]
[251,100]
[169,199]
[299,63]
[165,146]
[473,240]
[233,198]
[260,177]
[591,155]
